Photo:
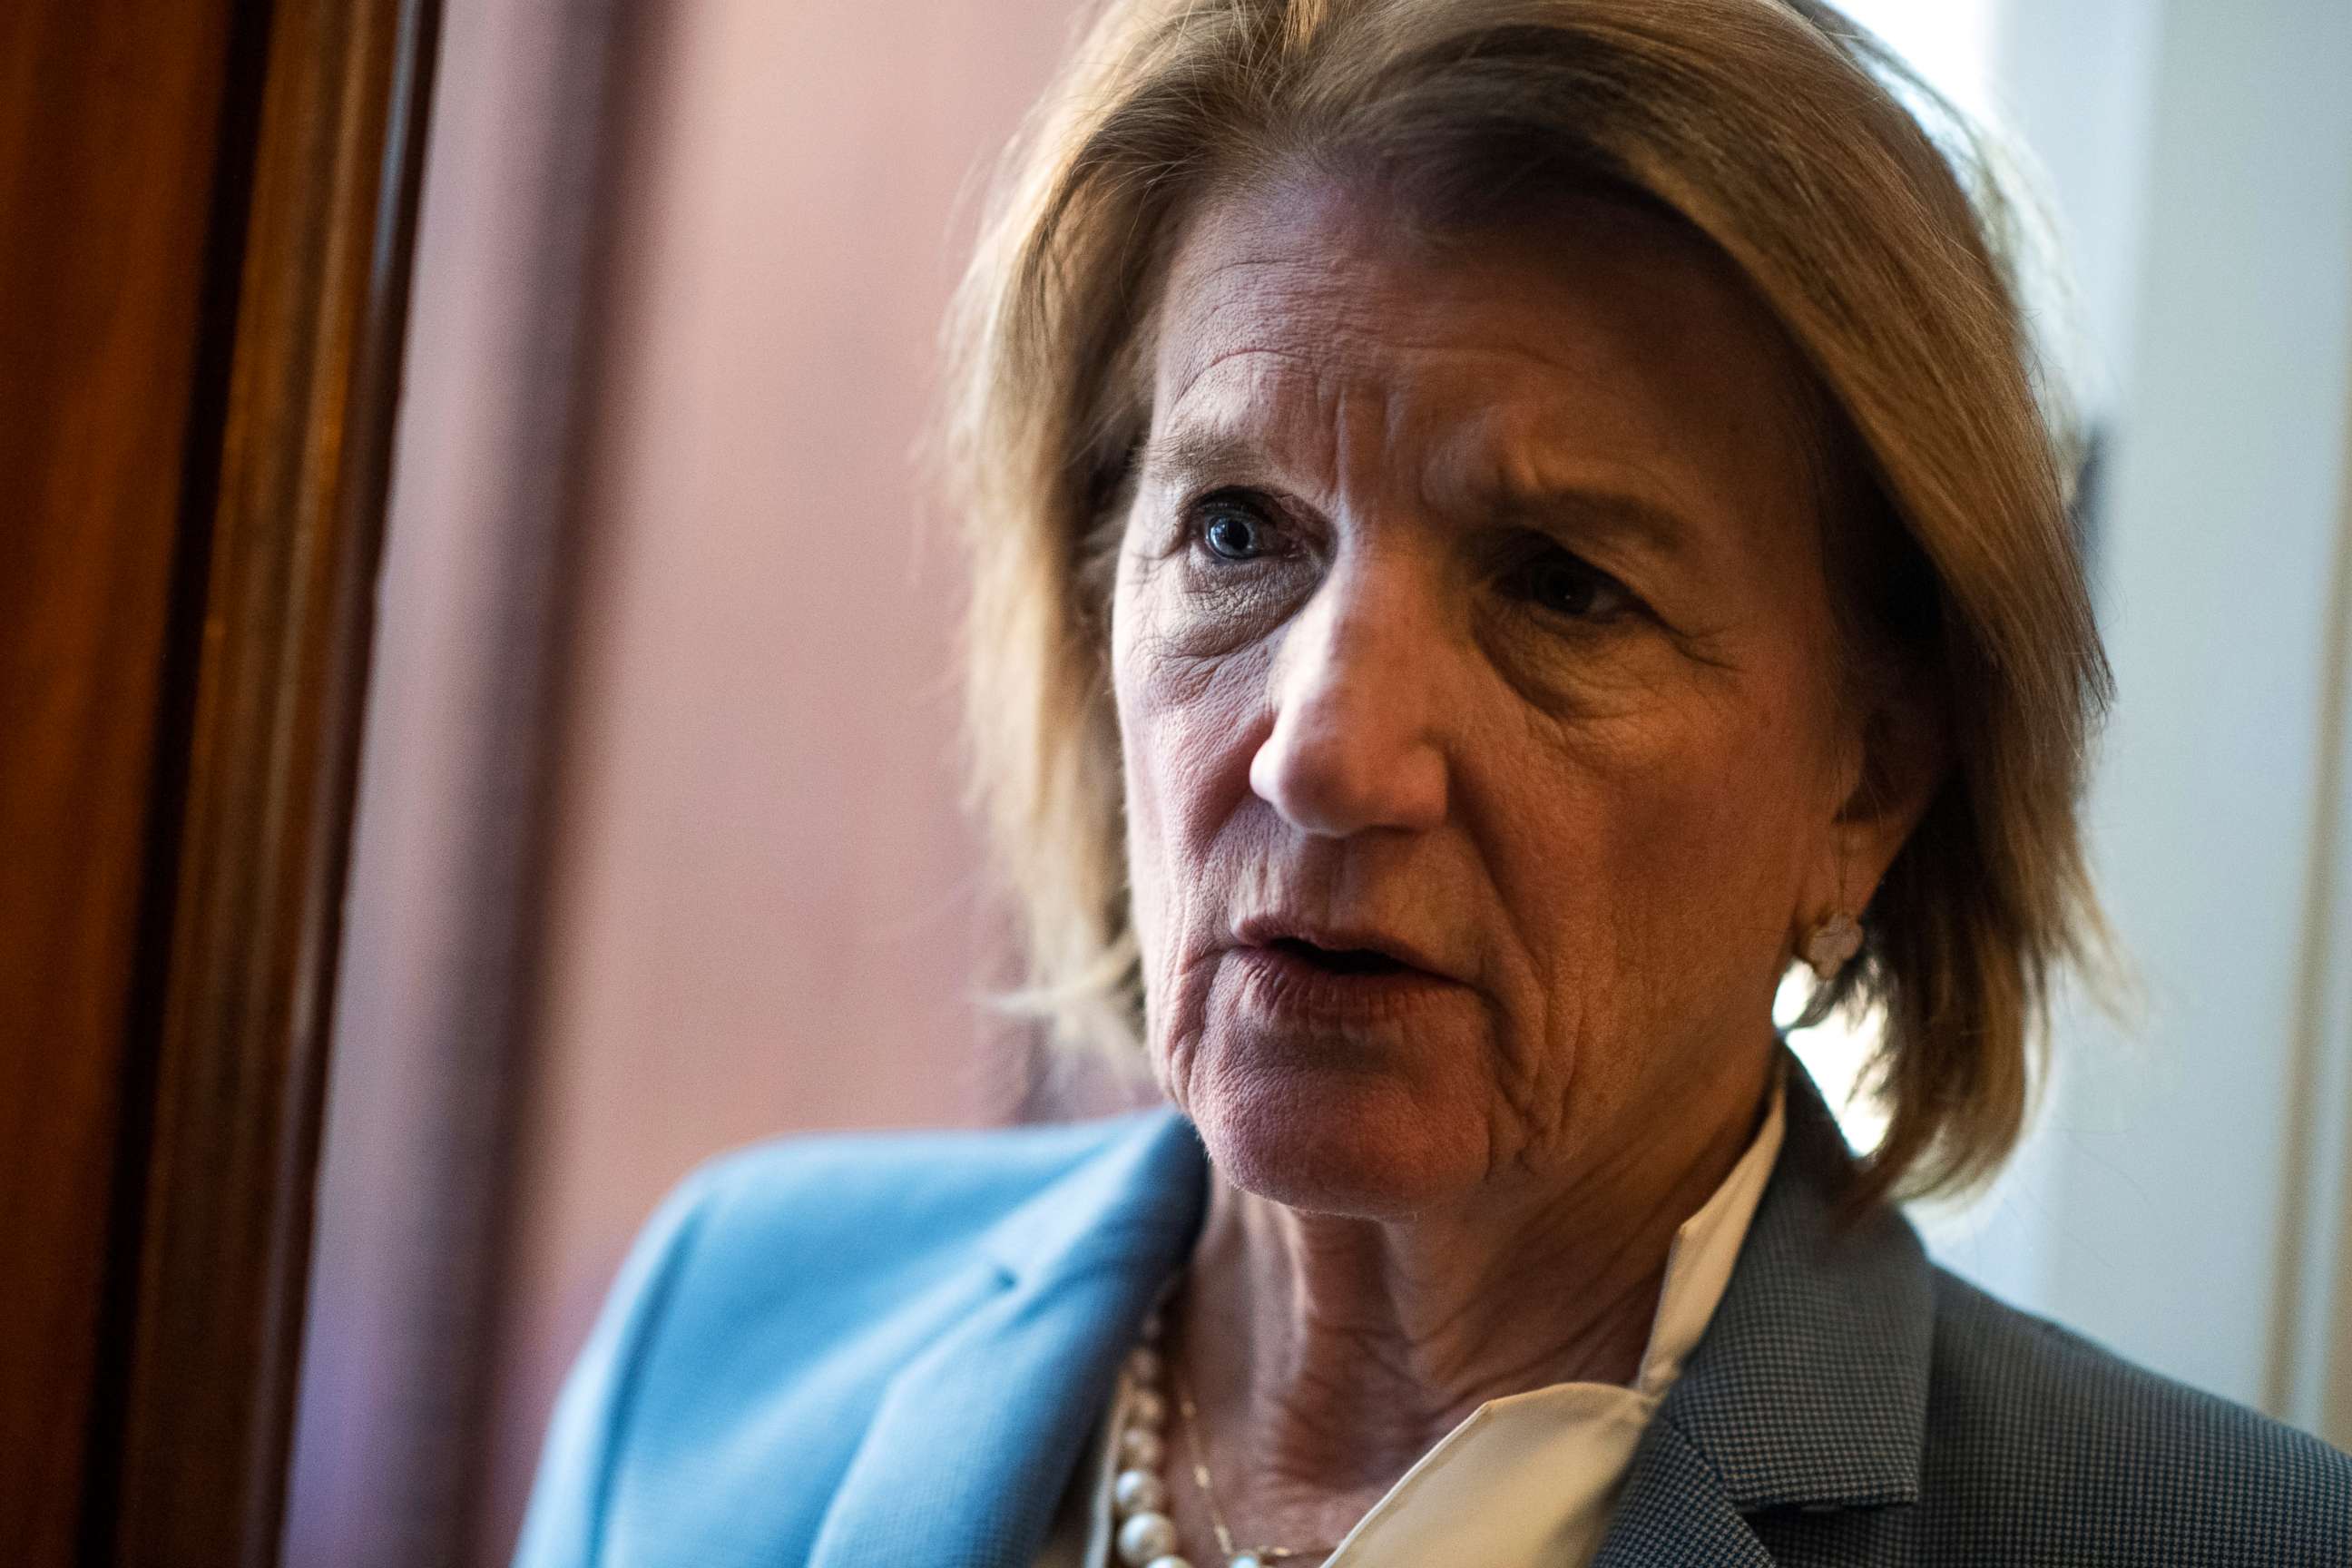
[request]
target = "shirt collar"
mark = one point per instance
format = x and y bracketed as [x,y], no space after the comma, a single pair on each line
[1809,1385]
[1705,1247]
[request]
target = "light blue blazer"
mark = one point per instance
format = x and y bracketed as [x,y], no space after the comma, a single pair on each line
[890,1349]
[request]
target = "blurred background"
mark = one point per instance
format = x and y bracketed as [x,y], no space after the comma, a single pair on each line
[658,848]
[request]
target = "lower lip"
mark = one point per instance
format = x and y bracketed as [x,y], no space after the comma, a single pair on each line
[1290,987]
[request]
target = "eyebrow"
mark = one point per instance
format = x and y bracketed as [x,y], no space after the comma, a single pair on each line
[1190,451]
[1573,513]
[1569,513]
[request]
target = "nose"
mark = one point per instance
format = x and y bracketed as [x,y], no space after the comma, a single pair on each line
[1357,700]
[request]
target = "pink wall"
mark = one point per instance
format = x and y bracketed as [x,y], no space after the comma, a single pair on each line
[764,913]
[452,833]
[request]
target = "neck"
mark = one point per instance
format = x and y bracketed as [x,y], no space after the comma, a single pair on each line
[1329,1353]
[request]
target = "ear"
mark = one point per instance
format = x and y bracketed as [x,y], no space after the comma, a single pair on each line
[1902,755]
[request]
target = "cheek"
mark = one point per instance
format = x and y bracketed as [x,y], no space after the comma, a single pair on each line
[1185,723]
[1656,869]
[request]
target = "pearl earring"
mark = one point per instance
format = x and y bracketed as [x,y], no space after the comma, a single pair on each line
[1833,941]
[1835,937]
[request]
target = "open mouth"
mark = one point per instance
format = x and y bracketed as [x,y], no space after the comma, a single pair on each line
[1338,960]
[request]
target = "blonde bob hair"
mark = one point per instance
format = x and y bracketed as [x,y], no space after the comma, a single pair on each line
[1864,215]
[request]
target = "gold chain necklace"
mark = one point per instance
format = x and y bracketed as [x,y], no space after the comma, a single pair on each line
[1146,1534]
[1190,1413]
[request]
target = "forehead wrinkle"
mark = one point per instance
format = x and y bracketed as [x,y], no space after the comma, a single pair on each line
[1202,296]
[1351,326]
[1229,436]
[1193,375]
[1485,458]
[1330,382]
[1484,467]
[1330,304]
[1486,463]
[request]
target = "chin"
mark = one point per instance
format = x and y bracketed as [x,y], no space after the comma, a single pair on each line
[1355,1142]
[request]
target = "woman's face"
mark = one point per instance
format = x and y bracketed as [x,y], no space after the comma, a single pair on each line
[1470,608]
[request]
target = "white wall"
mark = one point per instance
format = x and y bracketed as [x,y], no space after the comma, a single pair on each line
[2220,538]
[2180,1201]
[2185,1193]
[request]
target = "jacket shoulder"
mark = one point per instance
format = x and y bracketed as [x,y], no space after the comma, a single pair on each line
[2067,1452]
[885,1202]
[764,1308]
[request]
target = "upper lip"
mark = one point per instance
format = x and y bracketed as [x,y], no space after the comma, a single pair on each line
[1265,929]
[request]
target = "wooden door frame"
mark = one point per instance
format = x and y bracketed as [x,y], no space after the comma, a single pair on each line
[184,1076]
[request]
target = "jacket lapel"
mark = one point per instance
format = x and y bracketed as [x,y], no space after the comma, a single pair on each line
[1810,1389]
[975,1438]
[1674,1509]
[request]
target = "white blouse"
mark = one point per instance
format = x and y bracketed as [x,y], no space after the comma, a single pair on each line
[1528,1479]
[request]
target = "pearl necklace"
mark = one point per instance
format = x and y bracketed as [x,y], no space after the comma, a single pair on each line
[1146,1535]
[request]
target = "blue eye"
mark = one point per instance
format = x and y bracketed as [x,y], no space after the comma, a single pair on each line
[1233,531]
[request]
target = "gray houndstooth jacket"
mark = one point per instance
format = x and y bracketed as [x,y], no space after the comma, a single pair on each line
[1853,1404]
[890,1349]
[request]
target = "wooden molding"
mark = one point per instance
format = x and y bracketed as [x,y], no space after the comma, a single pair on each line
[112,138]
[211,1223]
